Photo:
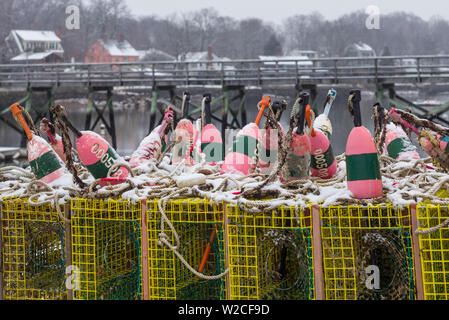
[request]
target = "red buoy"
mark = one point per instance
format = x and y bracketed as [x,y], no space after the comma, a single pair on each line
[45,163]
[362,163]
[186,135]
[151,147]
[211,140]
[298,158]
[94,152]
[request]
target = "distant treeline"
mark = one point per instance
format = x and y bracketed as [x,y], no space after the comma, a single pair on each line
[402,33]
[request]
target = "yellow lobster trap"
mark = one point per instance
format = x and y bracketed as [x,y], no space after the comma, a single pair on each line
[106,249]
[367,253]
[199,225]
[33,252]
[434,251]
[270,254]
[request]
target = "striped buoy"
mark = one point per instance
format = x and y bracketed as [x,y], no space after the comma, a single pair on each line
[186,135]
[322,122]
[269,141]
[241,159]
[362,163]
[298,158]
[151,147]
[323,163]
[45,163]
[397,144]
[94,152]
[55,141]
[211,140]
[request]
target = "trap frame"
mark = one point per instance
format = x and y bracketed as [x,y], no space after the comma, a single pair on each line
[355,238]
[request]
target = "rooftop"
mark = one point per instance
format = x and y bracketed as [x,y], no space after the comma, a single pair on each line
[37,35]
[119,48]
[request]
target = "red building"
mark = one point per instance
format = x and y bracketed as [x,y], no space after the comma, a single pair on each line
[110,51]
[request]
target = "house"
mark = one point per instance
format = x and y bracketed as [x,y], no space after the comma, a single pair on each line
[154,55]
[306,53]
[34,46]
[111,51]
[359,49]
[202,60]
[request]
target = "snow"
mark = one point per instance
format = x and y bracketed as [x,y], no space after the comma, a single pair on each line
[35,56]
[36,35]
[302,61]
[119,48]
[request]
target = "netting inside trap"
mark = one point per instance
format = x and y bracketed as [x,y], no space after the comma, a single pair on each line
[106,250]
[271,255]
[362,243]
[434,252]
[33,252]
[195,221]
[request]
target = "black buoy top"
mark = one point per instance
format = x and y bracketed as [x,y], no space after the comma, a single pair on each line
[381,112]
[356,107]
[278,107]
[207,111]
[186,106]
[305,97]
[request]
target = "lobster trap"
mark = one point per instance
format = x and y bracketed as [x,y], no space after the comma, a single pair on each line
[434,249]
[106,250]
[270,254]
[367,253]
[33,250]
[198,224]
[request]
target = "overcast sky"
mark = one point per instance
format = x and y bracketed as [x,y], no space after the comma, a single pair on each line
[274,10]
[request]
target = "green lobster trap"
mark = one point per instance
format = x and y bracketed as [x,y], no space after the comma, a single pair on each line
[33,251]
[198,224]
[367,253]
[270,254]
[434,250]
[106,250]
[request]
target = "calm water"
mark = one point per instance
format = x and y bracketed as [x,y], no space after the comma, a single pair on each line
[133,124]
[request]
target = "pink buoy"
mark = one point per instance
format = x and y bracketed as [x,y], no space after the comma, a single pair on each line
[186,135]
[362,163]
[298,158]
[151,147]
[241,159]
[55,141]
[45,163]
[211,140]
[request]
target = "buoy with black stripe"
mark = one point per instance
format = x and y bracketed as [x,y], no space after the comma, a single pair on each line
[45,163]
[94,152]
[362,163]
[242,158]
[322,122]
[298,158]
[186,135]
[211,140]
[397,144]
[152,146]
[269,140]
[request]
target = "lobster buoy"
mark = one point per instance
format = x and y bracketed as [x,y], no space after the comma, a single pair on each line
[241,159]
[211,140]
[269,141]
[323,163]
[298,158]
[55,141]
[185,135]
[362,163]
[397,144]
[45,163]
[151,147]
[94,152]
[322,122]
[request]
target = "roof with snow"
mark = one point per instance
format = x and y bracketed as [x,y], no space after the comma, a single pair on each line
[35,56]
[37,35]
[198,56]
[119,48]
[155,55]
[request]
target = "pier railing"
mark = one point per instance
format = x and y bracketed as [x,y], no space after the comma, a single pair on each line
[394,69]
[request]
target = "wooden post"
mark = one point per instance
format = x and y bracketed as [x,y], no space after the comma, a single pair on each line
[68,244]
[226,247]
[144,253]
[417,253]
[317,253]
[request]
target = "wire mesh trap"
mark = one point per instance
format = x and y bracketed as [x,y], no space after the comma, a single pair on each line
[367,253]
[33,243]
[434,251]
[270,255]
[197,223]
[106,249]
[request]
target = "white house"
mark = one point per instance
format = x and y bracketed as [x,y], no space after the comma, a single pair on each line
[34,46]
[203,60]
